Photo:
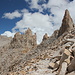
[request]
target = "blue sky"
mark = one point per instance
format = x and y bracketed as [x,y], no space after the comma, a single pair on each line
[9,6]
[42,16]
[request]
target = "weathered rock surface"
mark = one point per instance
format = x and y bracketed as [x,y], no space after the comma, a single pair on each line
[72,73]
[63,69]
[45,37]
[4,40]
[67,23]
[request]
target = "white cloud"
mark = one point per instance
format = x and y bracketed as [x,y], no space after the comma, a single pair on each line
[55,3]
[24,11]
[34,4]
[38,22]
[57,8]
[71,7]
[42,24]
[27,0]
[12,15]
[8,34]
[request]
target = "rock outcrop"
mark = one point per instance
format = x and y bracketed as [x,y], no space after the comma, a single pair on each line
[27,40]
[45,37]
[67,23]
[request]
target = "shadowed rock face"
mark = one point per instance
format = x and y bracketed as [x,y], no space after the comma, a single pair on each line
[67,23]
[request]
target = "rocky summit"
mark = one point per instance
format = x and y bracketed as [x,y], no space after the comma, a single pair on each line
[26,40]
[67,23]
[55,55]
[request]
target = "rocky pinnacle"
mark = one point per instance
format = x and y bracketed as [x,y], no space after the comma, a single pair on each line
[67,23]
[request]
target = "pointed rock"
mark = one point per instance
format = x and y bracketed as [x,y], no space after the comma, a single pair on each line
[45,37]
[28,32]
[27,40]
[67,23]
[55,34]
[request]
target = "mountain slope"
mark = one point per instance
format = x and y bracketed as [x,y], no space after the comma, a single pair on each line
[24,57]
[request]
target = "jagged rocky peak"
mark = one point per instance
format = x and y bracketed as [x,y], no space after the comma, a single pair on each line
[45,37]
[17,34]
[67,23]
[28,32]
[27,40]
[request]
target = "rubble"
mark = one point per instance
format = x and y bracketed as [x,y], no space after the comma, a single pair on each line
[63,68]
[53,65]
[66,63]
